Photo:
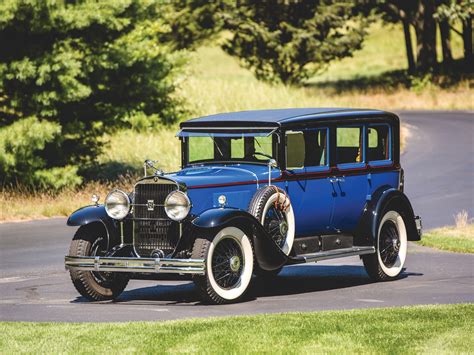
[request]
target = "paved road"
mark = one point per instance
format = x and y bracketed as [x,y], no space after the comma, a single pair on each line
[439,158]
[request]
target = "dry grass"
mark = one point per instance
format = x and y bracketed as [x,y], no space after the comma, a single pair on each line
[24,205]
[461,219]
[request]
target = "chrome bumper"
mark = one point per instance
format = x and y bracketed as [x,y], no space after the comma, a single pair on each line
[419,225]
[142,265]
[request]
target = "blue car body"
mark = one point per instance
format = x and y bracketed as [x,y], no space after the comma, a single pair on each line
[344,193]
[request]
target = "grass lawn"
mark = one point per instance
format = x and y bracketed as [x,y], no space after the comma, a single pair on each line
[458,239]
[216,83]
[419,329]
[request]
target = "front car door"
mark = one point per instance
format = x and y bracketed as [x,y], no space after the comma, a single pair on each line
[307,166]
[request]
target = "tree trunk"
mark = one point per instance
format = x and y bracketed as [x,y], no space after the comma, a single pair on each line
[467,39]
[409,46]
[425,27]
[444,30]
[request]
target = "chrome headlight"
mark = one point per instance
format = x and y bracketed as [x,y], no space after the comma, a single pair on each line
[177,205]
[117,204]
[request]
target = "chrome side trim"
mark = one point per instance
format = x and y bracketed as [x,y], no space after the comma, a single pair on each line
[338,253]
[142,265]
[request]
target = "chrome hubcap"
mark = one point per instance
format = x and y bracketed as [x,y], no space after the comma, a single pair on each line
[234,263]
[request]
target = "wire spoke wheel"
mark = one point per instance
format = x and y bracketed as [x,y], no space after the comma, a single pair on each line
[389,243]
[99,248]
[227,263]
[275,222]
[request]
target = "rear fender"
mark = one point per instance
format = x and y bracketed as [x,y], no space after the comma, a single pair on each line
[383,199]
[97,214]
[268,255]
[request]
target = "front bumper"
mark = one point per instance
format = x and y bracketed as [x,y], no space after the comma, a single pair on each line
[141,265]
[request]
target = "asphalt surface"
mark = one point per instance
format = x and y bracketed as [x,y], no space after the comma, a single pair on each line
[439,179]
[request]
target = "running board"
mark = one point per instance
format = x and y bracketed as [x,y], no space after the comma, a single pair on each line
[334,254]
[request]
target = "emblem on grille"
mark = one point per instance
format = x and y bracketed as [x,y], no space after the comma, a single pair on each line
[150,204]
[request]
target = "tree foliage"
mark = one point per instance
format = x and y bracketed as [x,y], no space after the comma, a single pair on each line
[424,16]
[72,70]
[289,41]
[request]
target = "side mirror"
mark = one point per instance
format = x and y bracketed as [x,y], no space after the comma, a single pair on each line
[272,163]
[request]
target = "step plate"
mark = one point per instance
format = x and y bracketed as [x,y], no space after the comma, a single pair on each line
[337,253]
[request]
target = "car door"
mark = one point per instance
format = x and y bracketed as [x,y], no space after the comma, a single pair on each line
[307,166]
[350,177]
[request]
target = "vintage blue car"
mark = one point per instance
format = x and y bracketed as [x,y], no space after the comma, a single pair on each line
[258,190]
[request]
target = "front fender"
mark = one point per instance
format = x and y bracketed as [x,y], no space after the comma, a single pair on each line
[383,199]
[268,255]
[96,214]
[86,215]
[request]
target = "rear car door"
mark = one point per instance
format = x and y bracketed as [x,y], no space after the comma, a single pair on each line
[349,181]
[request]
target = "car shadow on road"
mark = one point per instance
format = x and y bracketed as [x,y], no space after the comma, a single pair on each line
[291,280]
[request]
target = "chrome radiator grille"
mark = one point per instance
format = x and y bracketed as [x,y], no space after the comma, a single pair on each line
[152,227]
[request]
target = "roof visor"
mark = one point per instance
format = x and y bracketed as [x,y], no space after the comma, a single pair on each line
[225,132]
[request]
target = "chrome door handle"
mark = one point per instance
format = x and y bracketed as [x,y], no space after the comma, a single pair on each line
[341,179]
[333,180]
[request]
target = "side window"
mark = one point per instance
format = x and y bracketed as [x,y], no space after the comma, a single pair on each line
[306,148]
[378,142]
[295,150]
[316,147]
[349,145]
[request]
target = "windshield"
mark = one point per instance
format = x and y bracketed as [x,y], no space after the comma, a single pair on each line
[235,147]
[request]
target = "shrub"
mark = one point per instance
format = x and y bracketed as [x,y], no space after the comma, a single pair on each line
[80,68]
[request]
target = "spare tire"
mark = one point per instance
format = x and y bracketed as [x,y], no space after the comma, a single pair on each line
[272,207]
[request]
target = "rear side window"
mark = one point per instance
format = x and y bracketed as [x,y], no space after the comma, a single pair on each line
[379,144]
[349,145]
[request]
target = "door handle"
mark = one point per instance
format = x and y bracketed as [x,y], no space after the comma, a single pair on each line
[341,179]
[333,180]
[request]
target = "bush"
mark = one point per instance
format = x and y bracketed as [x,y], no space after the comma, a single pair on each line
[80,68]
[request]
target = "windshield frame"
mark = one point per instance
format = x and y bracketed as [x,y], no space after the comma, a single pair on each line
[185,135]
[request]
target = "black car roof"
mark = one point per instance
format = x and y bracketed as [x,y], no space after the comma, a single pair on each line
[280,117]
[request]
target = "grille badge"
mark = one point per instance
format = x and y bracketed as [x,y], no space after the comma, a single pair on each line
[150,204]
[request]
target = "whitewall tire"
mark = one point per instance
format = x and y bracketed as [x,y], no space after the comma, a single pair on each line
[229,265]
[388,262]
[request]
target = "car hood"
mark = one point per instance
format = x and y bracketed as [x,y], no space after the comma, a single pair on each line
[210,176]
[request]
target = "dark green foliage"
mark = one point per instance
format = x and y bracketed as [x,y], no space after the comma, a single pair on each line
[289,41]
[194,21]
[74,70]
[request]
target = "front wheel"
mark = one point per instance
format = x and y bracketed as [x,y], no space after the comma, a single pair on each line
[95,286]
[387,263]
[229,265]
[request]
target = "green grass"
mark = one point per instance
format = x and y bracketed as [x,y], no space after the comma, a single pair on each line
[457,239]
[420,329]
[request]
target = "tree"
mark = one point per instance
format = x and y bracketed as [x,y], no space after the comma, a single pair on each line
[451,11]
[289,41]
[77,69]
[425,28]
[194,21]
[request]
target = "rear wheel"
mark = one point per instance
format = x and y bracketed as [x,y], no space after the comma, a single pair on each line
[387,263]
[95,286]
[229,265]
